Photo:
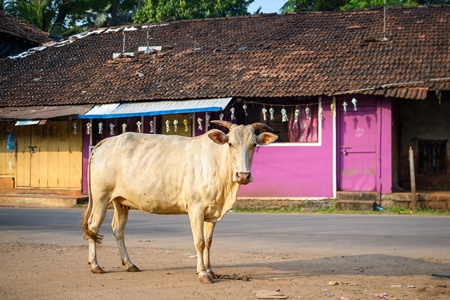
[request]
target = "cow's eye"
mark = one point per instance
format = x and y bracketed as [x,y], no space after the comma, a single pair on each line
[230,144]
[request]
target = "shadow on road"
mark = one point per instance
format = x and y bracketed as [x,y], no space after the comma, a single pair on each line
[368,264]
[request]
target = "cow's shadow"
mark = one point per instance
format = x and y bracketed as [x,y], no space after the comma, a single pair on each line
[366,264]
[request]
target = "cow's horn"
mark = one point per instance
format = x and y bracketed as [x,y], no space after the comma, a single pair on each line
[222,123]
[261,126]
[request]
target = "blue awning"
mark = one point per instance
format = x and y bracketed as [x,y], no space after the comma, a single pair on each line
[126,110]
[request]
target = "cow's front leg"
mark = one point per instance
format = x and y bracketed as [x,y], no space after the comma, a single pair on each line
[196,220]
[208,230]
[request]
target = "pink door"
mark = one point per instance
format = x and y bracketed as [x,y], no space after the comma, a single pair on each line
[358,144]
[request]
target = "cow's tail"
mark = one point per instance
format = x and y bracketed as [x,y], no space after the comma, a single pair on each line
[89,234]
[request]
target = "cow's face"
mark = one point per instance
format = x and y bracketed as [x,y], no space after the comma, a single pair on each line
[241,142]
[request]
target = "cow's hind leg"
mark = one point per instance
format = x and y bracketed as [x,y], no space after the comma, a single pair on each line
[93,220]
[119,221]
[208,229]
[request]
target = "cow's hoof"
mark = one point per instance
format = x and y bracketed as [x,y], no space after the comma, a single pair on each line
[133,269]
[205,279]
[212,275]
[97,270]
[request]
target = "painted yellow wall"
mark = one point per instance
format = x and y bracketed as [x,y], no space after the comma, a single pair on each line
[54,161]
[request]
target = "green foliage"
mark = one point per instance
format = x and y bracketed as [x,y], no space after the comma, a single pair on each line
[36,12]
[170,10]
[310,5]
[330,5]
[72,30]
[297,210]
[65,17]
[358,4]
[397,210]
[58,16]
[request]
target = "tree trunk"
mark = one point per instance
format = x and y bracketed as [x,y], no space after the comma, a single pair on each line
[113,11]
[63,10]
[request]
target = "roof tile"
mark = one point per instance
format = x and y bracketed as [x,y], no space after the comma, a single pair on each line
[272,55]
[14,26]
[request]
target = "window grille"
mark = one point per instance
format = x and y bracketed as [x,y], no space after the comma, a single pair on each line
[432,157]
[293,120]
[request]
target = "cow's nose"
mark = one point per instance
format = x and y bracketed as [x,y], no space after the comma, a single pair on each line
[243,177]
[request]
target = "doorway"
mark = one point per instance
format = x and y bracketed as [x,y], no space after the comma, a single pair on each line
[49,155]
[358,144]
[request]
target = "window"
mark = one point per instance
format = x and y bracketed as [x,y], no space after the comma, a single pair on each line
[294,120]
[179,124]
[432,157]
[103,128]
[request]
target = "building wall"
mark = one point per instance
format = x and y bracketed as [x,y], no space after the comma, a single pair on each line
[281,170]
[426,120]
[7,155]
[386,146]
[306,170]
[44,156]
[92,136]
[295,170]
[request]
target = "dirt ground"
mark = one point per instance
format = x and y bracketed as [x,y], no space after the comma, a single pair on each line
[47,271]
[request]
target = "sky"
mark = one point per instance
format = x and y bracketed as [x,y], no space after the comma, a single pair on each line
[268,6]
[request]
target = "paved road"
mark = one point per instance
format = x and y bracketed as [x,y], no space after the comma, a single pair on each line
[412,236]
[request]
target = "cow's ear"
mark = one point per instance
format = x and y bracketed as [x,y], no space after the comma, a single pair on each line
[218,136]
[266,138]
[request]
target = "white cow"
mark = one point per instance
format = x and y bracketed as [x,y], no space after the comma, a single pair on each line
[161,174]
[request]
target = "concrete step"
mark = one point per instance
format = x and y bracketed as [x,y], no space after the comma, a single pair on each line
[36,191]
[355,200]
[41,200]
[354,205]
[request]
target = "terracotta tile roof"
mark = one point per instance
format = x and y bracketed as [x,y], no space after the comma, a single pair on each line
[19,28]
[305,54]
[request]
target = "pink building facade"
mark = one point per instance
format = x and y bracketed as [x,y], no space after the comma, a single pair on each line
[352,152]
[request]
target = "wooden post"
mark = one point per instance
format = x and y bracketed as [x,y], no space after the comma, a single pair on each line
[413,179]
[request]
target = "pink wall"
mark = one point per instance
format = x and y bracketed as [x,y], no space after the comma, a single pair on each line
[385,165]
[294,170]
[301,171]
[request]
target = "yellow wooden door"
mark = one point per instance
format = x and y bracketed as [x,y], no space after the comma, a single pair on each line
[23,178]
[50,155]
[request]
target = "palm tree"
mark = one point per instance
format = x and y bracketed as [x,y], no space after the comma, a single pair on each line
[35,12]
